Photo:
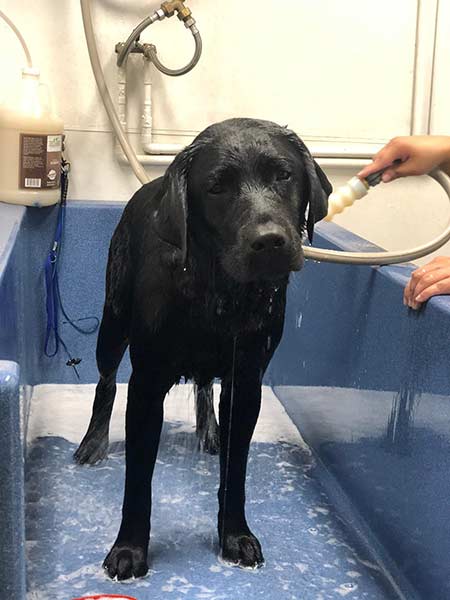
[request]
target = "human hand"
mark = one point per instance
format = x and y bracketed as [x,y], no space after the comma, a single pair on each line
[419,154]
[431,280]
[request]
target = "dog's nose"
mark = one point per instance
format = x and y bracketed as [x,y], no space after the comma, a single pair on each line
[268,241]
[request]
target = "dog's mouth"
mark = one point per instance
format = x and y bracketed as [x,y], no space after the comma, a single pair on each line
[246,269]
[274,267]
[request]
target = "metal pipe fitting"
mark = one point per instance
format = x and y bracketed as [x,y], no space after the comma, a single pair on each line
[126,47]
[171,6]
[168,9]
[161,14]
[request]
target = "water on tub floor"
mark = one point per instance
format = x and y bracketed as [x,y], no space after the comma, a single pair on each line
[73,513]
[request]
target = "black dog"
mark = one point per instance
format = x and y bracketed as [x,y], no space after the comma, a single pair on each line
[196,286]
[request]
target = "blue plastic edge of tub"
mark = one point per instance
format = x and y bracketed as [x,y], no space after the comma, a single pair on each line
[12,531]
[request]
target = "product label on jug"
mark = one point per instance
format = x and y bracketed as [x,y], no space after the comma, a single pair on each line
[40,161]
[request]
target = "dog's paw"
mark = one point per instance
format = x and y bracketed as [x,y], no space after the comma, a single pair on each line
[92,450]
[125,561]
[242,550]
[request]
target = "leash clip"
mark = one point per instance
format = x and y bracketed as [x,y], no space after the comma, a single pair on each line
[65,166]
[73,362]
[53,254]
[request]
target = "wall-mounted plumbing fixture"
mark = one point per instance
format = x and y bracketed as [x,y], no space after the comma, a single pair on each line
[148,146]
[129,155]
[149,53]
[161,154]
[156,154]
[167,9]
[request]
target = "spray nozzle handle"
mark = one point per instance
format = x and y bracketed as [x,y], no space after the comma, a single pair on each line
[375,178]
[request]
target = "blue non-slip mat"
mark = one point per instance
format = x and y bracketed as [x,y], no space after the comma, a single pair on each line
[73,515]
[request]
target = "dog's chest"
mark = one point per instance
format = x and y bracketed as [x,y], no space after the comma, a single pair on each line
[227,314]
[204,328]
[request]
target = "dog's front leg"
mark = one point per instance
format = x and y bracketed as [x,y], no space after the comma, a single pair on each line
[240,402]
[144,417]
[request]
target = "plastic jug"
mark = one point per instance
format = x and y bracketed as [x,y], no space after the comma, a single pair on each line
[30,147]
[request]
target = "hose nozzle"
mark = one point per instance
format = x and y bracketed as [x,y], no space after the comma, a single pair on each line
[354,190]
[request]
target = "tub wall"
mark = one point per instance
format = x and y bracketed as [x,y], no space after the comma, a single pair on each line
[367,382]
[81,273]
[349,327]
[10,221]
[336,326]
[328,306]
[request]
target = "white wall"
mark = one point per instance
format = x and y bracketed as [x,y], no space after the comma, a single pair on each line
[440,114]
[336,72]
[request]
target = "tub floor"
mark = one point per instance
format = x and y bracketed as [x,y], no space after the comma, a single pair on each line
[73,513]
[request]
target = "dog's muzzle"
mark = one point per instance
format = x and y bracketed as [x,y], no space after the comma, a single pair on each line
[266,251]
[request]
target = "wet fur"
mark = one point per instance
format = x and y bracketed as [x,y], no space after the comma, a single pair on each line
[191,297]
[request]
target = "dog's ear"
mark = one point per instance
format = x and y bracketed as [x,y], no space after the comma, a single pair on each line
[170,218]
[317,186]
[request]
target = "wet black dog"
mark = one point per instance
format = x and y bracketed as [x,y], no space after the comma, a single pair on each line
[196,286]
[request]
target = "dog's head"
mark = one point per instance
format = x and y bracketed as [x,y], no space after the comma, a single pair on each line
[247,190]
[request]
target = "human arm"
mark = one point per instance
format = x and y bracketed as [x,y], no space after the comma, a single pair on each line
[419,154]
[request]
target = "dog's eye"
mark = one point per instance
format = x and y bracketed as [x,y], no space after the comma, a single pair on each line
[283,175]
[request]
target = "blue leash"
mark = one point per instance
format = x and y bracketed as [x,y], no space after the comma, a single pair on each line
[54,302]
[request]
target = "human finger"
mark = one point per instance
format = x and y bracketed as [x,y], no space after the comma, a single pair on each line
[418,276]
[389,175]
[429,278]
[440,288]
[383,159]
[407,293]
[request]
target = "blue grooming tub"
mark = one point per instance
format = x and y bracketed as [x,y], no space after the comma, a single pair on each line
[348,482]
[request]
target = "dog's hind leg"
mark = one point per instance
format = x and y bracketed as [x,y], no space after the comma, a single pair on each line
[207,428]
[111,345]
